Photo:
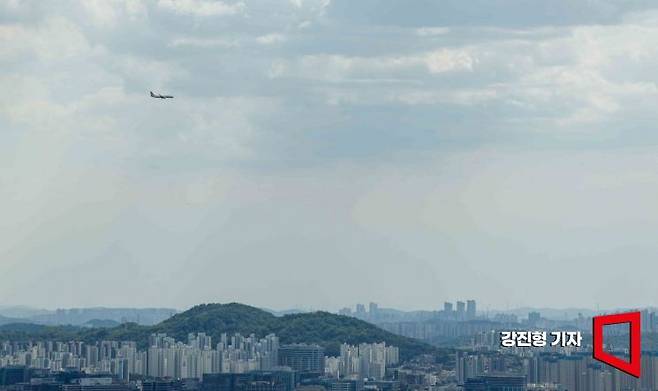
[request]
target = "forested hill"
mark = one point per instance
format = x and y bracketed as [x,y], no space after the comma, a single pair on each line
[325,329]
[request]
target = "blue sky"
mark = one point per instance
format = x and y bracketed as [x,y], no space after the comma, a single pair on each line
[320,153]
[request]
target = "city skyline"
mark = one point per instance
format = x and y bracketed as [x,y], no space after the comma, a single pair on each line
[205,361]
[465,309]
[166,357]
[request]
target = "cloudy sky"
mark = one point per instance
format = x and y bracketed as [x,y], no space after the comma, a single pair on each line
[320,153]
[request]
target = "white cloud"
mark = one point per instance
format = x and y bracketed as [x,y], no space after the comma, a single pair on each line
[56,40]
[111,12]
[446,60]
[203,42]
[202,7]
[462,97]
[432,31]
[340,67]
[271,39]
[297,3]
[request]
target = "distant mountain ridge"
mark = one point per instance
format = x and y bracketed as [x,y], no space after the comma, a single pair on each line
[7,320]
[286,312]
[564,313]
[323,328]
[100,323]
[21,311]
[82,316]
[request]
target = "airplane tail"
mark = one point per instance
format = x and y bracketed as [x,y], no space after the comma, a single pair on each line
[152,94]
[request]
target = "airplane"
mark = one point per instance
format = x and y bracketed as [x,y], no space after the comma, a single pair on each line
[160,96]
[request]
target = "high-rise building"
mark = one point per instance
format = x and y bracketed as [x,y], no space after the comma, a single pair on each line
[223,381]
[461,310]
[373,309]
[360,309]
[496,383]
[346,385]
[302,357]
[98,384]
[251,381]
[468,366]
[13,374]
[470,309]
[366,360]
[534,318]
[161,385]
[168,358]
[447,308]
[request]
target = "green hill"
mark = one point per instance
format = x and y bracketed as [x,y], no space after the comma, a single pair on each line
[323,328]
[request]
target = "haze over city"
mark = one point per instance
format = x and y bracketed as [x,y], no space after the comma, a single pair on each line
[322,153]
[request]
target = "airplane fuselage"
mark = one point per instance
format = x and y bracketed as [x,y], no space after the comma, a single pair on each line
[158,96]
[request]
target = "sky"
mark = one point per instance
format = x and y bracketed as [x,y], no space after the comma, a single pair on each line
[320,153]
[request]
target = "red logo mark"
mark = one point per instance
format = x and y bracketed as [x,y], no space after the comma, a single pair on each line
[632,367]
